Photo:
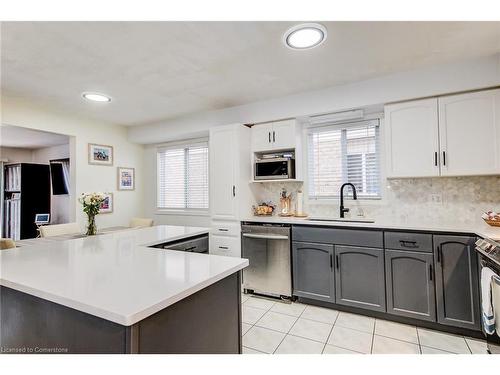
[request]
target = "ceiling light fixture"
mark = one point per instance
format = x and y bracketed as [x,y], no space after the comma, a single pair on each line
[305,36]
[96,97]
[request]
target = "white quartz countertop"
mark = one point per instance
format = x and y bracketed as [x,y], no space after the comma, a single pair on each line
[115,276]
[480,228]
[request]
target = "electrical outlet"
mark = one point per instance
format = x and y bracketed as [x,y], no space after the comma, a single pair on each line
[437,198]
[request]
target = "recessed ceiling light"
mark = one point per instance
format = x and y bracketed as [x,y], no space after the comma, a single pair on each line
[305,36]
[96,97]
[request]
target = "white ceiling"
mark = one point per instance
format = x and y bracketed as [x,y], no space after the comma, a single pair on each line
[19,137]
[162,70]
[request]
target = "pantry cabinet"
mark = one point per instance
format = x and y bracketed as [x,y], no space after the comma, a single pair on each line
[230,196]
[273,136]
[453,135]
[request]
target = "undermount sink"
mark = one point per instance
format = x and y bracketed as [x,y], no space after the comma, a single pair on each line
[339,219]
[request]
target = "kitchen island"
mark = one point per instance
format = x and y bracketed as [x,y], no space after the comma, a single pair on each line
[115,293]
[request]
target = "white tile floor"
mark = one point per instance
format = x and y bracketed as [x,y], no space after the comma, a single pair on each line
[270,326]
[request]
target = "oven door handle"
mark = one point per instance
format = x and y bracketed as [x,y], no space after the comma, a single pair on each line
[265,236]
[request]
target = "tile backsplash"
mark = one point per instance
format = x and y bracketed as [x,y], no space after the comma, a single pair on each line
[459,200]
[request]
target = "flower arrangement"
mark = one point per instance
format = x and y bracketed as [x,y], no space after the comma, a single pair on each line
[91,206]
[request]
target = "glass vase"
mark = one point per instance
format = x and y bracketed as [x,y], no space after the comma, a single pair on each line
[91,227]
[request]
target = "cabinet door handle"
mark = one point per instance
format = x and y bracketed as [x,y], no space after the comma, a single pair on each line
[430,272]
[337,261]
[223,247]
[435,159]
[274,136]
[223,230]
[331,261]
[234,191]
[444,158]
[438,251]
[409,244]
[269,134]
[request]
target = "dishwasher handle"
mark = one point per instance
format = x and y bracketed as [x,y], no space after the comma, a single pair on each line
[265,236]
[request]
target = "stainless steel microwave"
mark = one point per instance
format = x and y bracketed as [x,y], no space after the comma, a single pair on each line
[274,168]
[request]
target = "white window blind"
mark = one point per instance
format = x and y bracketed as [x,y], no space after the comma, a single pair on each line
[344,153]
[183,177]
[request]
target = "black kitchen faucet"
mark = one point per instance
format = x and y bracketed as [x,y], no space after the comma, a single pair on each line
[354,196]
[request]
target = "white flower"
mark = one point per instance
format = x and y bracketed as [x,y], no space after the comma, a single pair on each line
[87,199]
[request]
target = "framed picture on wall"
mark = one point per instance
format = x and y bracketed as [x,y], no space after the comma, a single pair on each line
[126,178]
[100,154]
[107,204]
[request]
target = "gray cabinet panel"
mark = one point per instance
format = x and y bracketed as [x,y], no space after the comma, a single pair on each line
[457,282]
[313,271]
[359,277]
[408,241]
[410,284]
[352,237]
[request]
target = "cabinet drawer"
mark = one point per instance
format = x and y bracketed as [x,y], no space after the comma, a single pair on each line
[353,237]
[408,241]
[224,245]
[226,229]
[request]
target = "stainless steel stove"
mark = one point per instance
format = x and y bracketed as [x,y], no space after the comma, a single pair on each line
[489,256]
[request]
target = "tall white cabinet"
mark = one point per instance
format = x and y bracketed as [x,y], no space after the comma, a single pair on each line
[230,195]
[454,135]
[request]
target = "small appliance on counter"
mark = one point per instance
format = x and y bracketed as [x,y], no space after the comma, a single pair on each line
[285,203]
[276,166]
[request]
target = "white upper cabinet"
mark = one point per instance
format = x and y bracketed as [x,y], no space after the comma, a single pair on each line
[279,135]
[469,133]
[262,137]
[455,135]
[411,135]
[284,135]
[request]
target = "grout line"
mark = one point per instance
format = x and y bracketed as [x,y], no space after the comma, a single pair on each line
[466,343]
[418,340]
[260,351]
[331,331]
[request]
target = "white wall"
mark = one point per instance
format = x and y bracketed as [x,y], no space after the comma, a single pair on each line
[431,81]
[16,155]
[436,80]
[85,178]
[60,205]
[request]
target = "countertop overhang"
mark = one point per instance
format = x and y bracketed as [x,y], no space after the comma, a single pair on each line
[115,276]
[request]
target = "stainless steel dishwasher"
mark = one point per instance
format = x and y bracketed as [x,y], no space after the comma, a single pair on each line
[267,248]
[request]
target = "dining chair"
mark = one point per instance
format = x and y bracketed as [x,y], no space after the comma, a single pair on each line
[59,229]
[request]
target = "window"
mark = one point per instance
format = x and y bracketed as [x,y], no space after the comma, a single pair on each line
[183,177]
[344,153]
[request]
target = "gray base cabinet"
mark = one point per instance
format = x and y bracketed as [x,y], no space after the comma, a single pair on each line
[410,284]
[457,281]
[359,277]
[313,272]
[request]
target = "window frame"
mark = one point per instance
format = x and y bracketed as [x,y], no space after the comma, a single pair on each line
[177,145]
[334,199]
